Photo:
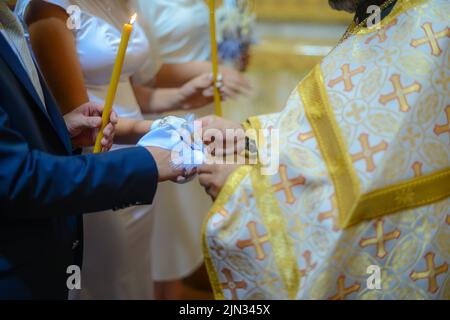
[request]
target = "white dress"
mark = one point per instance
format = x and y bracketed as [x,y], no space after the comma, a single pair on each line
[181,28]
[117,245]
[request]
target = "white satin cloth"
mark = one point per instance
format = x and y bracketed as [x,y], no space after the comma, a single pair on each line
[117,247]
[175,134]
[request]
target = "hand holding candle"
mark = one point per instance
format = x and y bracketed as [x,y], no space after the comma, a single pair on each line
[115,78]
[214,57]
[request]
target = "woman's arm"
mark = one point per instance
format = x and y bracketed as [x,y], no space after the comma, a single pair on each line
[176,75]
[196,93]
[187,86]
[55,49]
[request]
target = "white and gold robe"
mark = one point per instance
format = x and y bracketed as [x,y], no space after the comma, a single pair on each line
[364,177]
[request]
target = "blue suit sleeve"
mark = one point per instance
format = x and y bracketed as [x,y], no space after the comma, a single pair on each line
[35,184]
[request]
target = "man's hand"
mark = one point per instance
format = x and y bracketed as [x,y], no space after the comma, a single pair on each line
[213,177]
[166,171]
[84,124]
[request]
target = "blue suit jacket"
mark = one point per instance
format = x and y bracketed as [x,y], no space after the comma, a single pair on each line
[44,188]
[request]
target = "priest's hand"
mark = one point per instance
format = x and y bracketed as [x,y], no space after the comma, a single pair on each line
[213,177]
[222,136]
[84,123]
[166,170]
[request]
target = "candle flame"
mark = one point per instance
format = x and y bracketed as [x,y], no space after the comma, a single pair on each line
[133,18]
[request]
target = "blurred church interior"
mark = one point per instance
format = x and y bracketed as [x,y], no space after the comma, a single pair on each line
[292,36]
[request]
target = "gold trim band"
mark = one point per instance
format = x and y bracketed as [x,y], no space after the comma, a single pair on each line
[331,143]
[233,182]
[407,195]
[282,246]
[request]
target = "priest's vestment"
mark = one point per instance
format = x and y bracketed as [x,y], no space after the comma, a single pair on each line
[364,178]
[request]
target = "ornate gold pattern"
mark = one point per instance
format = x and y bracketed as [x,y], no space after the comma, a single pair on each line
[316,237]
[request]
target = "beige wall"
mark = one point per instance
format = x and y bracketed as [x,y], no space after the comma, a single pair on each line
[307,10]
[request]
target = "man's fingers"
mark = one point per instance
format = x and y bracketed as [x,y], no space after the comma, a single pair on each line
[181,172]
[107,147]
[108,131]
[95,108]
[105,142]
[93,122]
[108,137]
[113,118]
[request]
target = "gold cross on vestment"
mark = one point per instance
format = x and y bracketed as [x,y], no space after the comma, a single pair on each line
[445,128]
[368,152]
[257,241]
[346,77]
[231,284]
[342,291]
[331,214]
[356,112]
[305,136]
[431,38]
[286,185]
[431,273]
[417,168]
[400,93]
[380,239]
[310,265]
[382,33]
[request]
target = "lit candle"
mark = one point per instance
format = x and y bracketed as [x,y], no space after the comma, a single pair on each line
[115,79]
[214,57]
